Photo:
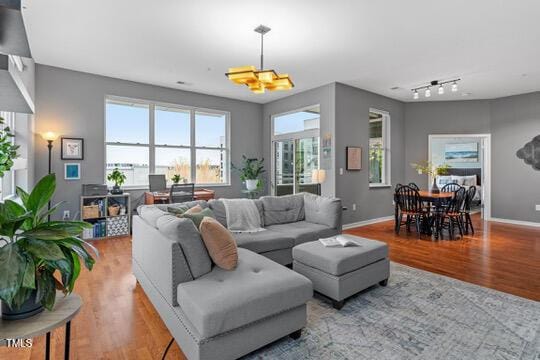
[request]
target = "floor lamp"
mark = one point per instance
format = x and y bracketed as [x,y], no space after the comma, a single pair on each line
[49,136]
[318,176]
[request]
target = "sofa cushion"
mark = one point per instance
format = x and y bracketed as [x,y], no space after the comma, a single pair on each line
[219,243]
[185,233]
[323,210]
[225,300]
[303,231]
[150,214]
[183,205]
[220,214]
[283,209]
[263,241]
[341,260]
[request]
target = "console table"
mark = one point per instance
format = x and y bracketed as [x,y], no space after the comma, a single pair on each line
[65,309]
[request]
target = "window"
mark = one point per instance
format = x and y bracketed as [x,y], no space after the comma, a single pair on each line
[145,138]
[379,148]
[7,182]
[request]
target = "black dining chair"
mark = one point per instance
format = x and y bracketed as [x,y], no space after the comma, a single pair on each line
[182,193]
[450,216]
[451,187]
[414,186]
[466,212]
[409,204]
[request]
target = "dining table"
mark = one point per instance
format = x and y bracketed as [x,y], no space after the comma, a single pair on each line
[435,201]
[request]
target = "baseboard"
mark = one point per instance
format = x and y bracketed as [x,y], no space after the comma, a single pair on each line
[515,222]
[367,222]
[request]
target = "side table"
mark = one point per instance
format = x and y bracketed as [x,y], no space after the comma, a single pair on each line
[65,309]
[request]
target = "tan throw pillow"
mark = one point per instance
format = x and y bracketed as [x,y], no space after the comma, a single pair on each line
[194,210]
[219,243]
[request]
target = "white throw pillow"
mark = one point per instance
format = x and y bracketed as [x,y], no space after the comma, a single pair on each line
[443,180]
[458,179]
[469,180]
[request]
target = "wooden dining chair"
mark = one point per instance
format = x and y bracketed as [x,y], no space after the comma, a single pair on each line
[466,212]
[451,215]
[181,193]
[414,186]
[409,204]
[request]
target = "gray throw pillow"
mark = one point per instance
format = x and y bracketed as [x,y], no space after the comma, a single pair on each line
[186,234]
[198,217]
[283,209]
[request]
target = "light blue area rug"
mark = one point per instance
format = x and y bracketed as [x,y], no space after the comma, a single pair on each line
[419,315]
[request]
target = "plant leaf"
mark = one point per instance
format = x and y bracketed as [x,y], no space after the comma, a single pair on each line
[23,195]
[46,250]
[41,194]
[12,266]
[29,278]
[46,291]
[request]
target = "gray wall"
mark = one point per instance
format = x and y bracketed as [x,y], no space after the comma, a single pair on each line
[515,185]
[325,96]
[442,117]
[72,104]
[511,121]
[352,129]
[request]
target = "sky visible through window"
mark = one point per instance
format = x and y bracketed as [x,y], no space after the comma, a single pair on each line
[295,122]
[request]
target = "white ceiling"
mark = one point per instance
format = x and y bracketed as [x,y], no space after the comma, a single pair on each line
[493,45]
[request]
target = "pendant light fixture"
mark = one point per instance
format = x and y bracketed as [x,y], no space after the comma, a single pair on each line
[435,83]
[259,80]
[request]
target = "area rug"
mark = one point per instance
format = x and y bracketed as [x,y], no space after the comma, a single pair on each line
[419,315]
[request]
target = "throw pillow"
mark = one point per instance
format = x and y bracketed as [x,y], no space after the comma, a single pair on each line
[219,243]
[176,210]
[194,210]
[198,217]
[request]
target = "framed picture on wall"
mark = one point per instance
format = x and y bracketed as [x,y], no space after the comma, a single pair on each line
[72,171]
[461,152]
[353,158]
[72,149]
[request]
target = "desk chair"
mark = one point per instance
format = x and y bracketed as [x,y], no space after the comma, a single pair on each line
[157,183]
[182,193]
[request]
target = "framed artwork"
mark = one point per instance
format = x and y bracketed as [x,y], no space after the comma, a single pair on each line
[72,149]
[354,158]
[72,171]
[461,152]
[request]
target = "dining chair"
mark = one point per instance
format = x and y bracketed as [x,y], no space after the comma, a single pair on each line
[181,193]
[414,186]
[450,216]
[451,187]
[466,211]
[409,204]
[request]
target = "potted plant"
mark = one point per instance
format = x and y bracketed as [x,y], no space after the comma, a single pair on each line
[176,179]
[37,256]
[119,178]
[8,150]
[429,169]
[250,172]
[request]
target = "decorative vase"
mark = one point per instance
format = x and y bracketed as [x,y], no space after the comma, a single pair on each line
[251,184]
[27,309]
[434,187]
[116,190]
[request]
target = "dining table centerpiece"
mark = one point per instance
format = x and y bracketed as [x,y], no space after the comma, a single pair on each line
[429,169]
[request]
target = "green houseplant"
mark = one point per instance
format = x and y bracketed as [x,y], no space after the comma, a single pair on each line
[250,171]
[430,169]
[176,179]
[119,178]
[8,150]
[37,256]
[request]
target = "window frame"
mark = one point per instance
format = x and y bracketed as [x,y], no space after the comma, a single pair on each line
[386,140]
[152,144]
[7,194]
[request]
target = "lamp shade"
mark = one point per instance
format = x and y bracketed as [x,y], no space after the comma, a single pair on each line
[49,136]
[318,176]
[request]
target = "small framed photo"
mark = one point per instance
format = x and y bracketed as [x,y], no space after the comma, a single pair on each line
[72,171]
[72,149]
[354,158]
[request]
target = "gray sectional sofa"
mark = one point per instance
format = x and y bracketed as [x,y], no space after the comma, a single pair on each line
[218,314]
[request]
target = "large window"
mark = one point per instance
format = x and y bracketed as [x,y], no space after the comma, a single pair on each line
[379,148]
[145,138]
[7,182]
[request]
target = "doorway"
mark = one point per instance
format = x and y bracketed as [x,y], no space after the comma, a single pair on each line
[469,158]
[295,151]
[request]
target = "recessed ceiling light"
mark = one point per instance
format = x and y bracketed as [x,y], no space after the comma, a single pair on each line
[466,94]
[180,82]
[394,88]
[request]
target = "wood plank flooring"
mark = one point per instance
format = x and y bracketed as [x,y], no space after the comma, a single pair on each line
[118,321]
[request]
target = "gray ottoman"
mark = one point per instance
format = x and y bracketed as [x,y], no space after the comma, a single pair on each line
[339,272]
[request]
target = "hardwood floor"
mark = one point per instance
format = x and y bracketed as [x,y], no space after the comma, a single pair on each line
[118,321]
[499,256]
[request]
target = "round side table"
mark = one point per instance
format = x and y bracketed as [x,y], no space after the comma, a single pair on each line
[65,309]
